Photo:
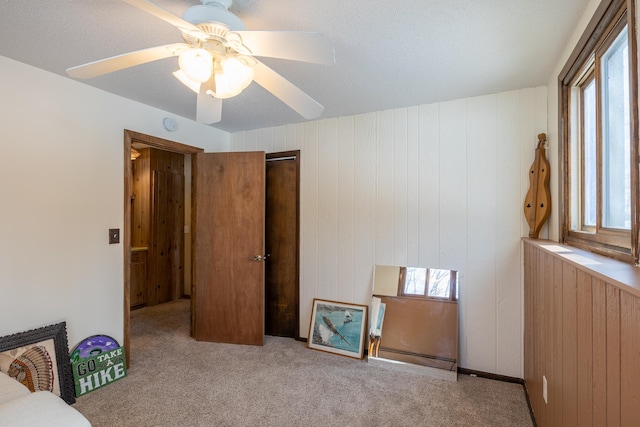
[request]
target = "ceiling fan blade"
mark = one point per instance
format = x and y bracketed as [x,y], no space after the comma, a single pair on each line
[293,45]
[208,108]
[176,21]
[287,92]
[126,60]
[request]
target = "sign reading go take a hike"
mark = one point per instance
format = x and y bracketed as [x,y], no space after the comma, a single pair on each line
[91,373]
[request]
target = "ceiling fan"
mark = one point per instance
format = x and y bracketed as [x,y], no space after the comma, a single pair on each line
[217,59]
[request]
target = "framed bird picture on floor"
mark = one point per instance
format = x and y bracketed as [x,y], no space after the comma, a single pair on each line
[338,327]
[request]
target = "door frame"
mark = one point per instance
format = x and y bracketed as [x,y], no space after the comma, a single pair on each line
[295,154]
[154,142]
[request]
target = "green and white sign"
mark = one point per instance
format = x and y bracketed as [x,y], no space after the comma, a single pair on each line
[93,372]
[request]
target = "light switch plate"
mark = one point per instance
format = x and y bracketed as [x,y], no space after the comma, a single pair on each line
[114,236]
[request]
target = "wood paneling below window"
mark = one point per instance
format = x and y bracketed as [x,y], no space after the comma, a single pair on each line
[582,333]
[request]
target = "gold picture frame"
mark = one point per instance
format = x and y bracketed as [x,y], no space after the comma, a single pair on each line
[338,327]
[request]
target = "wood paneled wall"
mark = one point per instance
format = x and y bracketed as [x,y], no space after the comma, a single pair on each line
[582,332]
[158,221]
[141,199]
[438,185]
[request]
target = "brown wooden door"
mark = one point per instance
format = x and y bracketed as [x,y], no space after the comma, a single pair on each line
[228,230]
[281,282]
[166,238]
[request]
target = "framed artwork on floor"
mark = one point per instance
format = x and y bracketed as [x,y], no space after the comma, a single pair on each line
[338,327]
[39,359]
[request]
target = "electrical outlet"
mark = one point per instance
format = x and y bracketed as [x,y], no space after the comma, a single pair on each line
[114,236]
[544,388]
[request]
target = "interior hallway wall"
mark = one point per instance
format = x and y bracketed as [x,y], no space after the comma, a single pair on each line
[62,189]
[439,185]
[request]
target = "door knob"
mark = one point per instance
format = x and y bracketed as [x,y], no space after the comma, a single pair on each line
[259,258]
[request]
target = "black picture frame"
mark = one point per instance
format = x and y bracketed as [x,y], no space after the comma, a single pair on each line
[58,333]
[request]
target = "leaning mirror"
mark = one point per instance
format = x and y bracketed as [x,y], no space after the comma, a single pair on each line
[414,318]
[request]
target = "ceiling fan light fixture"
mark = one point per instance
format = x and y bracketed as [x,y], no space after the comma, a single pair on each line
[218,53]
[232,77]
[196,64]
[213,11]
[180,75]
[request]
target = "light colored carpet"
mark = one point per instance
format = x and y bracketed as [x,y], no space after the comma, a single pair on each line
[174,380]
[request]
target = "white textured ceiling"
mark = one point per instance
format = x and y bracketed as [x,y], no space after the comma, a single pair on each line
[389,54]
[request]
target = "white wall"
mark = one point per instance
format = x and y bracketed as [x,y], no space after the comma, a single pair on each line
[61,189]
[438,185]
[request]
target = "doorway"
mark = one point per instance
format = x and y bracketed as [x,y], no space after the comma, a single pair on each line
[282,243]
[291,306]
[131,138]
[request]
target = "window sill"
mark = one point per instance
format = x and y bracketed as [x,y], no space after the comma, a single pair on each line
[616,251]
[624,276]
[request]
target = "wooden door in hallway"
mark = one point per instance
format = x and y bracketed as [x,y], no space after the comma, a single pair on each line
[228,247]
[156,226]
[282,243]
[165,255]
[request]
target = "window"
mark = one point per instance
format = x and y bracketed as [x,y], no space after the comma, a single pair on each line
[599,138]
[428,283]
[415,281]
